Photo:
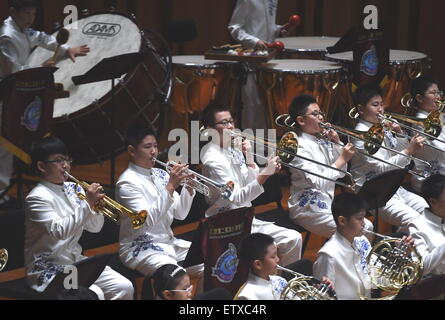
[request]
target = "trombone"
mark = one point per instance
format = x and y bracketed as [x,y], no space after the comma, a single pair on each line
[110,208]
[3,258]
[373,139]
[287,150]
[200,183]
[432,124]
[306,288]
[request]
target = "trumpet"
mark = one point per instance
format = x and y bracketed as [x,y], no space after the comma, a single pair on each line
[393,264]
[110,208]
[201,183]
[373,140]
[306,288]
[287,149]
[3,258]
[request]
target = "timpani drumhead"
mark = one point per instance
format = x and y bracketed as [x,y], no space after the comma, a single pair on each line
[308,44]
[395,56]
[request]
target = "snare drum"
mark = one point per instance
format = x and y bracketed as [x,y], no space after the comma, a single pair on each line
[90,122]
[198,81]
[306,47]
[281,81]
[405,66]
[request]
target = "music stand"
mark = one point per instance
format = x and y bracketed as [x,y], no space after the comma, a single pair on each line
[111,69]
[377,191]
[88,271]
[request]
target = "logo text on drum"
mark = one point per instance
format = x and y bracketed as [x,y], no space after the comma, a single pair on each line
[371,21]
[101,29]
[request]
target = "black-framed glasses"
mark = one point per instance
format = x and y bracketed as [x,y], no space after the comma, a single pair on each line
[60,161]
[316,114]
[225,123]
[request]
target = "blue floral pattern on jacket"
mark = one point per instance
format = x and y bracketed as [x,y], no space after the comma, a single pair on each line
[162,175]
[311,197]
[363,247]
[47,269]
[142,243]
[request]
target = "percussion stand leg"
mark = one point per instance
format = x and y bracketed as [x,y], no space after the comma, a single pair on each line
[113,124]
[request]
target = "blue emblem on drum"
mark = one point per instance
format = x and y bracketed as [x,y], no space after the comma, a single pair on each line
[32,114]
[370,63]
[226,265]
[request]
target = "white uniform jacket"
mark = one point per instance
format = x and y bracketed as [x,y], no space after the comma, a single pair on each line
[55,220]
[435,157]
[428,231]
[257,288]
[254,20]
[144,189]
[310,193]
[16,46]
[345,264]
[364,168]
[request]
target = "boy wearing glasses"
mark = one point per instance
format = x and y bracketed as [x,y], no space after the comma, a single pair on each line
[55,220]
[425,93]
[223,163]
[311,196]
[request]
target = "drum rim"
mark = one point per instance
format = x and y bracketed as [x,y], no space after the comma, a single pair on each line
[298,50]
[391,62]
[337,68]
[214,65]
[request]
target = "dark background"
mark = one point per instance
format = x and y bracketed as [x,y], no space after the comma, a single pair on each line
[412,24]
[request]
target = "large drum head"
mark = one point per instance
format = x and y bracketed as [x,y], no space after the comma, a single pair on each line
[107,35]
[93,120]
[307,47]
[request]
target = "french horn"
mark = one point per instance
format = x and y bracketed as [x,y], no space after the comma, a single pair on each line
[3,258]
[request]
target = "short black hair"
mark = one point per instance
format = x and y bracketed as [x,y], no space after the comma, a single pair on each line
[299,106]
[167,277]
[77,294]
[432,187]
[420,86]
[346,204]
[45,147]
[21,4]
[254,247]
[208,115]
[136,134]
[365,93]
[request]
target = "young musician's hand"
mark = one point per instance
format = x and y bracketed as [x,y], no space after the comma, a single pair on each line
[273,167]
[416,144]
[261,45]
[80,51]
[94,195]
[348,152]
[246,148]
[49,63]
[329,282]
[332,135]
[178,173]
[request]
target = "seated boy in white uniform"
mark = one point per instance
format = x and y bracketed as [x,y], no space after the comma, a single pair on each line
[223,163]
[143,187]
[311,196]
[343,258]
[260,253]
[55,220]
[404,205]
[425,93]
[428,230]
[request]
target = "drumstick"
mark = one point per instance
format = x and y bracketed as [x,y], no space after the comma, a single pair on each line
[294,21]
[62,38]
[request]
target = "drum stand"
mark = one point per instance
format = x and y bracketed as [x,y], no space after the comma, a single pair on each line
[377,191]
[111,69]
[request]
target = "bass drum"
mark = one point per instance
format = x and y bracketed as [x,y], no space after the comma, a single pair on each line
[92,121]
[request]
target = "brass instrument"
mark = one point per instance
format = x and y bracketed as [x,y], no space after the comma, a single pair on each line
[393,264]
[373,140]
[110,208]
[201,183]
[3,258]
[287,149]
[306,288]
[407,101]
[432,124]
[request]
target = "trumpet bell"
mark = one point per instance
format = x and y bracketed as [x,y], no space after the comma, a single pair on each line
[289,142]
